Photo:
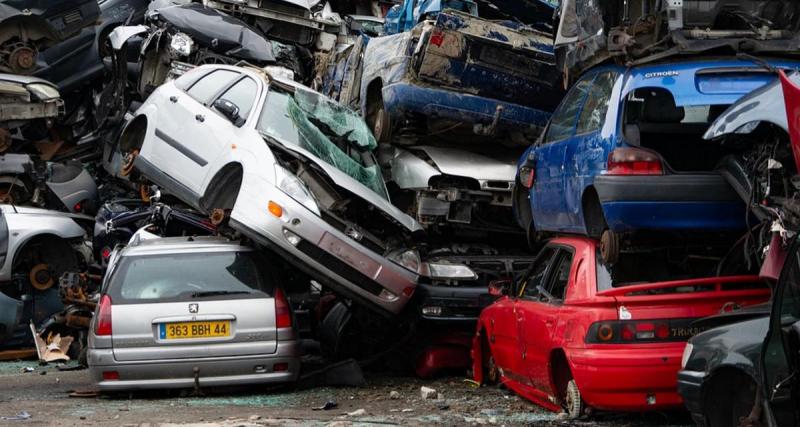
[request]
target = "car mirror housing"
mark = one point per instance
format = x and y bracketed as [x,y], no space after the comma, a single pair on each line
[229,110]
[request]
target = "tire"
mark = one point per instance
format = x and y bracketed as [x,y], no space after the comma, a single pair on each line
[379,121]
[491,374]
[573,402]
[609,247]
[730,398]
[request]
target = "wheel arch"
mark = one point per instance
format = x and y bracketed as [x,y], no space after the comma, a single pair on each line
[134,134]
[31,238]
[594,220]
[560,372]
[227,177]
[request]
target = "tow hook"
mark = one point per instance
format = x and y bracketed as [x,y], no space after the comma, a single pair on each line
[197,392]
[491,129]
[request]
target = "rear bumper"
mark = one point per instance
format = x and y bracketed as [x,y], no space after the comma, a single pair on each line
[641,378]
[404,97]
[690,387]
[669,202]
[179,373]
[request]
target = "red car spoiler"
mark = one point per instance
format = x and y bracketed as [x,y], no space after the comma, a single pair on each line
[717,282]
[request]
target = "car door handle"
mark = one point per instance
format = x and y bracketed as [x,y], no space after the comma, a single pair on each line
[173,99]
[200,118]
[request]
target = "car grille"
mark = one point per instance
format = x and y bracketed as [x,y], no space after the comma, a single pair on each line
[72,17]
[340,267]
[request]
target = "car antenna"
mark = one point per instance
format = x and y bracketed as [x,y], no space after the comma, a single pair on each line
[758,61]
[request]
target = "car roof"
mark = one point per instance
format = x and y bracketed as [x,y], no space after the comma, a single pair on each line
[256,72]
[186,244]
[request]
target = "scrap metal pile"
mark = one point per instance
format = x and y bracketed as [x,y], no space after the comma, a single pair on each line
[552,195]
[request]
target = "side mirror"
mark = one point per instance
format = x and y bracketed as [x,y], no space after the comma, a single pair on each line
[229,110]
[499,287]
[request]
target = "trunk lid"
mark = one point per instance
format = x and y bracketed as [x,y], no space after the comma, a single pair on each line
[238,327]
[509,62]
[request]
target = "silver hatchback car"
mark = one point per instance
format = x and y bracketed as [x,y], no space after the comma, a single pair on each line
[185,312]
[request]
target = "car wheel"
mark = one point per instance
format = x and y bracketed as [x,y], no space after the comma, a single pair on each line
[573,402]
[729,400]
[380,123]
[491,373]
[609,247]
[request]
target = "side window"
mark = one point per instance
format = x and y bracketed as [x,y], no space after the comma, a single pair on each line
[243,94]
[560,277]
[205,89]
[594,109]
[562,124]
[536,275]
[189,78]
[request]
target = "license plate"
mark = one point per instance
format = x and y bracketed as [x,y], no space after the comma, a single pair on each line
[171,331]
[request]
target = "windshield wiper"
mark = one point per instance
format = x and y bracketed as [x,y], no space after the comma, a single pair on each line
[216,293]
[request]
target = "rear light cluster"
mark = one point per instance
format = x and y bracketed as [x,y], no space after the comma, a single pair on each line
[642,331]
[103,325]
[634,161]
[527,176]
[283,315]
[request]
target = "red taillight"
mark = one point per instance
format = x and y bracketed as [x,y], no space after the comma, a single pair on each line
[103,325]
[280,367]
[283,315]
[527,176]
[110,376]
[631,331]
[78,207]
[634,161]
[105,253]
[437,37]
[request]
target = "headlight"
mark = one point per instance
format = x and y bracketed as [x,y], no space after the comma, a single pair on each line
[408,259]
[294,188]
[43,91]
[446,270]
[181,44]
[687,353]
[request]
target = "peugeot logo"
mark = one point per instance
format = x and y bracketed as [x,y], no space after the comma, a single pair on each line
[193,308]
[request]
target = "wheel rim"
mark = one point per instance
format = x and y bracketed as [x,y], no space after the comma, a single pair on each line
[127,164]
[40,277]
[609,246]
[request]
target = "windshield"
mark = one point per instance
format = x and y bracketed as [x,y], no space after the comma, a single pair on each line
[326,129]
[223,275]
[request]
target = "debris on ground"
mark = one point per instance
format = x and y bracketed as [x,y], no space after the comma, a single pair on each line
[427,392]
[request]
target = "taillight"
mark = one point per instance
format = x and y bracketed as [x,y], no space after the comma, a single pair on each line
[283,315]
[103,325]
[628,331]
[634,161]
[527,176]
[437,37]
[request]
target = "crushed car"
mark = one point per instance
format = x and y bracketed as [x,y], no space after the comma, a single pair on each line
[27,104]
[578,335]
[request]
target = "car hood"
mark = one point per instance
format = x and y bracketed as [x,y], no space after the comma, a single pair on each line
[764,104]
[459,162]
[351,184]
[24,80]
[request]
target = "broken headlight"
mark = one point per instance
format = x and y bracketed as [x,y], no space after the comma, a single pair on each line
[181,45]
[408,259]
[43,91]
[294,188]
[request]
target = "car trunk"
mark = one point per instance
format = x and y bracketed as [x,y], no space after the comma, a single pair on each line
[155,331]
[476,56]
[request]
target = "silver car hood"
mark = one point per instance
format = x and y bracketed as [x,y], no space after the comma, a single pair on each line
[451,161]
[24,80]
[764,104]
[346,181]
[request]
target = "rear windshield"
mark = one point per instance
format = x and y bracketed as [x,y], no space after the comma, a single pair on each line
[657,265]
[183,277]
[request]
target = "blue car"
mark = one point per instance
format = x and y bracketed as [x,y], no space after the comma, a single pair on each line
[624,152]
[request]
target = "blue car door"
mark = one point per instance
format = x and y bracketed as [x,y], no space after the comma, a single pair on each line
[587,152]
[547,200]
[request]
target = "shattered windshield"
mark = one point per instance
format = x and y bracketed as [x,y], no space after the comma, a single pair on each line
[328,130]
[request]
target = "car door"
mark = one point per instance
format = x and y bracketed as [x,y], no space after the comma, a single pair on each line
[781,350]
[183,131]
[587,151]
[547,206]
[514,359]
[537,316]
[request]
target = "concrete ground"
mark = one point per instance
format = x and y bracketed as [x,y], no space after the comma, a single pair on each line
[44,395]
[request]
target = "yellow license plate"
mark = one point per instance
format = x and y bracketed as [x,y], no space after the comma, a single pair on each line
[171,331]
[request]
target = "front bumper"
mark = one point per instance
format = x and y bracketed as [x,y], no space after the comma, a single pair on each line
[404,97]
[180,373]
[669,202]
[324,252]
[453,304]
[628,377]
[690,387]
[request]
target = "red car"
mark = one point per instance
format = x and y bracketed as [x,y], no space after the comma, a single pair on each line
[574,334]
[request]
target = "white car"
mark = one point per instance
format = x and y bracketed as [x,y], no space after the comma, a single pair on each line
[296,169]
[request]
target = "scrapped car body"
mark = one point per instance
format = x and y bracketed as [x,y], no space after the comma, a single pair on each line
[720,369]
[26,101]
[295,170]
[629,156]
[575,333]
[37,247]
[218,319]
[459,73]
[591,32]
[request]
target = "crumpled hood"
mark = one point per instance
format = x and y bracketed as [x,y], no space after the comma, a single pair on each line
[346,181]
[764,104]
[464,163]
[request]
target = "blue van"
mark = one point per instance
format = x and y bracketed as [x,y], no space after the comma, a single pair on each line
[624,152]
